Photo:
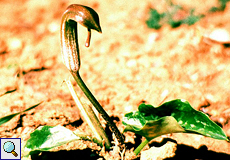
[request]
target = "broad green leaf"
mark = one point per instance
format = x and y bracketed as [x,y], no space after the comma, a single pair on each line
[9,117]
[189,119]
[154,128]
[47,137]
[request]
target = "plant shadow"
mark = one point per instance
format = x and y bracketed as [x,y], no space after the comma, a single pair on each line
[64,154]
[191,153]
[183,152]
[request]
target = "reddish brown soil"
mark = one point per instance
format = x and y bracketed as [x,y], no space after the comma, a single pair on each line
[127,64]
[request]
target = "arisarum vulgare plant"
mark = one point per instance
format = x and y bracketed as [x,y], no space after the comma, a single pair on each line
[176,116]
[70,51]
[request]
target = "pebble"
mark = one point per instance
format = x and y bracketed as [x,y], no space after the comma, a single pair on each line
[156,153]
[131,63]
[194,77]
[14,43]
[151,39]
[214,113]
[53,27]
[165,93]
[219,35]
[210,98]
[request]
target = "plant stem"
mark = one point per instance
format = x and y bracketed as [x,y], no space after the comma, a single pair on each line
[99,108]
[90,117]
[89,138]
[141,146]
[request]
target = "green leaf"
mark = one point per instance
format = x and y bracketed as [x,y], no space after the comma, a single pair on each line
[154,19]
[171,117]
[221,7]
[192,19]
[173,23]
[9,117]
[154,128]
[47,137]
[7,92]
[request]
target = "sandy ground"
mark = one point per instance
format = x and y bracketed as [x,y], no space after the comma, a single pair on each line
[125,65]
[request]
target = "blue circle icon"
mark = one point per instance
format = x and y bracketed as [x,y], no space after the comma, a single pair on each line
[9,147]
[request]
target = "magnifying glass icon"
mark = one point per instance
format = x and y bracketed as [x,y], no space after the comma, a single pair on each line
[9,147]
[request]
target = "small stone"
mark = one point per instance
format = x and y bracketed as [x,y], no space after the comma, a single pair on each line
[219,35]
[53,27]
[131,63]
[214,112]
[158,153]
[14,44]
[165,93]
[152,38]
